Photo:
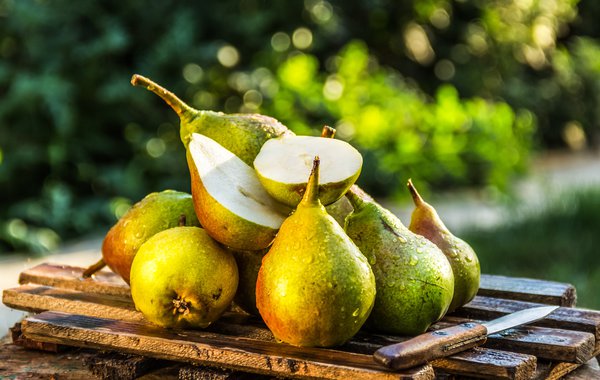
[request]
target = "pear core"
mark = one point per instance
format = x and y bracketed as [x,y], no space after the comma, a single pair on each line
[284,164]
[233,184]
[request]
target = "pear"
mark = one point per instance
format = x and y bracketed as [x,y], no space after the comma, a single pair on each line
[426,222]
[242,134]
[283,165]
[154,213]
[228,198]
[248,263]
[341,208]
[314,287]
[414,279]
[182,278]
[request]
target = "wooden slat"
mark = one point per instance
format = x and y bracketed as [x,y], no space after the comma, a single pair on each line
[106,282]
[573,346]
[111,365]
[42,298]
[494,364]
[38,298]
[542,342]
[528,289]
[568,318]
[68,277]
[553,371]
[207,349]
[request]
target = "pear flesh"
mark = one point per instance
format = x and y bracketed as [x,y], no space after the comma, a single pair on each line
[229,200]
[314,287]
[284,164]
[181,278]
[426,222]
[414,280]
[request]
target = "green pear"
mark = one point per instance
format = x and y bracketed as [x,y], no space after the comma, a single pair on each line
[414,279]
[155,213]
[181,278]
[229,200]
[283,166]
[339,210]
[426,222]
[248,263]
[242,134]
[314,287]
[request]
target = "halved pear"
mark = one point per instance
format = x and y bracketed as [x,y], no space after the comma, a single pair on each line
[284,164]
[229,200]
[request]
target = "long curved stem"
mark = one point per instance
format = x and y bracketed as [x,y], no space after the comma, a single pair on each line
[178,105]
[89,272]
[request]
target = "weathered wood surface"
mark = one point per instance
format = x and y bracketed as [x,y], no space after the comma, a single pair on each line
[209,349]
[110,365]
[69,277]
[567,341]
[542,342]
[106,282]
[494,364]
[563,318]
[557,345]
[528,289]
[556,370]
[38,298]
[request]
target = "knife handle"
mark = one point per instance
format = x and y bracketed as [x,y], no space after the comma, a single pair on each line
[432,345]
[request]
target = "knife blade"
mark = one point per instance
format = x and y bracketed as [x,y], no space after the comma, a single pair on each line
[444,342]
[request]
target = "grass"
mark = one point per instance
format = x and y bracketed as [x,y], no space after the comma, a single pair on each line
[560,242]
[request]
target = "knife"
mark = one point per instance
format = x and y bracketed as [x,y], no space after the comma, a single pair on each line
[444,342]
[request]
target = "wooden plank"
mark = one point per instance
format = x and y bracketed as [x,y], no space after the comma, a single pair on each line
[111,365]
[528,289]
[543,342]
[497,364]
[69,277]
[567,318]
[102,306]
[106,282]
[557,345]
[553,371]
[19,340]
[38,298]
[96,305]
[208,349]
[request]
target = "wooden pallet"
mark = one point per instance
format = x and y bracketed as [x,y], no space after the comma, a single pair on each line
[99,314]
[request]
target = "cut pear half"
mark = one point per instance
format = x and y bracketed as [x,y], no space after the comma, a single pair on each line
[284,164]
[229,200]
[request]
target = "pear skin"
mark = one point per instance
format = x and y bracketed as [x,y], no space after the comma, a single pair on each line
[221,223]
[181,278]
[242,134]
[155,213]
[426,222]
[248,263]
[414,280]
[314,287]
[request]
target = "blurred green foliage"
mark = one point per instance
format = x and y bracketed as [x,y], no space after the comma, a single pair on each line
[453,93]
[559,243]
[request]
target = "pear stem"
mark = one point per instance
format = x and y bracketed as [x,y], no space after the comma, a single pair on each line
[89,272]
[328,132]
[178,105]
[311,196]
[182,220]
[415,194]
